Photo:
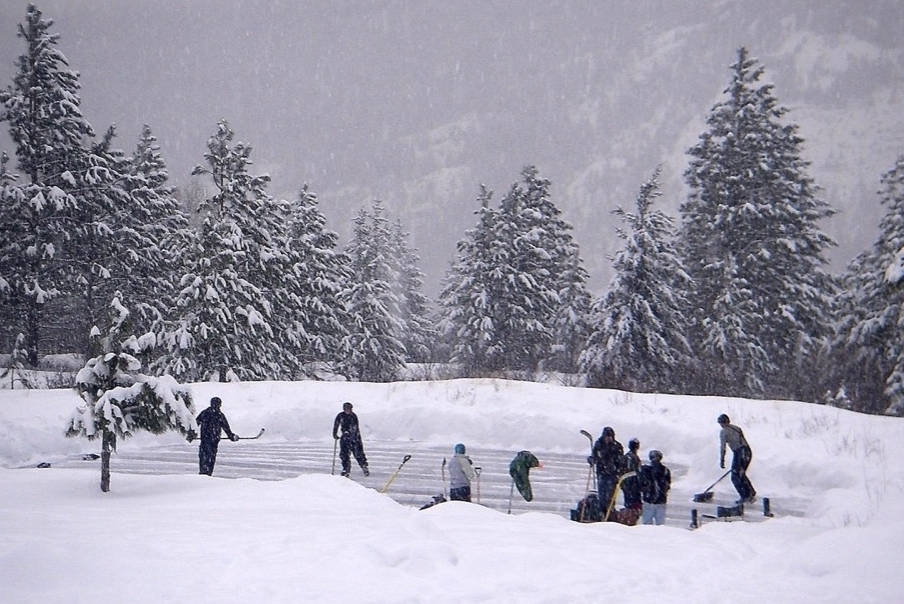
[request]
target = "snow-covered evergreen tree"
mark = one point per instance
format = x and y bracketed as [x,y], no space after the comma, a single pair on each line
[752,246]
[871,347]
[42,110]
[118,400]
[160,234]
[525,258]
[467,313]
[237,268]
[572,320]
[376,352]
[516,296]
[639,342]
[321,317]
[418,334]
[103,250]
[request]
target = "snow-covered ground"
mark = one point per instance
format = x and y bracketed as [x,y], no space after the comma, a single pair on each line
[316,537]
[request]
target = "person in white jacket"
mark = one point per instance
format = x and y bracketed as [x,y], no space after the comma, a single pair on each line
[461,473]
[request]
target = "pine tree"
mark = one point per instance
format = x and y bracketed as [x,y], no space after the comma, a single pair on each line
[527,298]
[42,109]
[870,348]
[466,301]
[514,296]
[639,342]
[321,271]
[418,333]
[120,401]
[159,233]
[103,249]
[376,351]
[572,321]
[229,305]
[752,246]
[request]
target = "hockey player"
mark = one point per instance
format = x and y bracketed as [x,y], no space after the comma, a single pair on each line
[345,428]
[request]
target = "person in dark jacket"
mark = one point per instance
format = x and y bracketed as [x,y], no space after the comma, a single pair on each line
[608,458]
[345,428]
[655,482]
[631,485]
[211,421]
[732,437]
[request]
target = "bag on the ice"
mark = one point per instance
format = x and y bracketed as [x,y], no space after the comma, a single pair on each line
[588,510]
[436,500]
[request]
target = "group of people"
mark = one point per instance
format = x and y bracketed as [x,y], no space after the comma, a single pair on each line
[645,487]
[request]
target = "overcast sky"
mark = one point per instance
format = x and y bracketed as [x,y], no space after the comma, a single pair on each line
[418,103]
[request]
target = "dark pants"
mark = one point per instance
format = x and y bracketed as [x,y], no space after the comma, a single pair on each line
[605,488]
[207,456]
[739,462]
[460,494]
[631,492]
[348,447]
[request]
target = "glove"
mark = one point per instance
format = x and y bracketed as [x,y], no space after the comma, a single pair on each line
[233,437]
[191,435]
[336,436]
[590,459]
[722,464]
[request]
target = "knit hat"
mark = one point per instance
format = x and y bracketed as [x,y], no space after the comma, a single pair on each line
[655,455]
[459,449]
[608,431]
[215,402]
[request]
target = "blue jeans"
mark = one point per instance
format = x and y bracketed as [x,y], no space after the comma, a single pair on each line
[654,513]
[739,463]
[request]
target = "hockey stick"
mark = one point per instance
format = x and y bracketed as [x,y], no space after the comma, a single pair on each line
[246,437]
[335,444]
[477,470]
[394,474]
[589,475]
[511,494]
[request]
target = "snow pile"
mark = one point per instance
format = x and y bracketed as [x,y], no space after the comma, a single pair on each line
[320,538]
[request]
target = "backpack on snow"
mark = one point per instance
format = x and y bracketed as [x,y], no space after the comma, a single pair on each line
[588,510]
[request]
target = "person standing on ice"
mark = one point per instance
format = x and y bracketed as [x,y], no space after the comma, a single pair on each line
[631,485]
[461,473]
[655,482]
[608,458]
[211,422]
[345,428]
[733,437]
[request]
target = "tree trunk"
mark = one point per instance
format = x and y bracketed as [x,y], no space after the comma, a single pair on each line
[107,448]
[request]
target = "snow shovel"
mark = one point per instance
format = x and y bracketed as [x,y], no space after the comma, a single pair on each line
[707,495]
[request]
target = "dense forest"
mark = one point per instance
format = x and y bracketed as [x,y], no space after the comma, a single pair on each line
[732,297]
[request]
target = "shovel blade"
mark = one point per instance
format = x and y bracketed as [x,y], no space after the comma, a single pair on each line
[703,497]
